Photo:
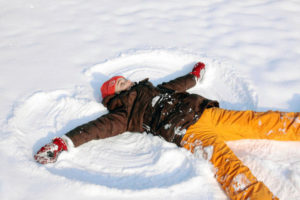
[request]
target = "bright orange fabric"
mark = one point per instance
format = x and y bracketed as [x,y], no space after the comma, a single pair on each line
[206,138]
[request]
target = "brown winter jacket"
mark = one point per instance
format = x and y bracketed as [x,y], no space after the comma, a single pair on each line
[166,110]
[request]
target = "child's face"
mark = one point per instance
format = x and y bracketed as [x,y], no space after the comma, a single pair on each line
[123,84]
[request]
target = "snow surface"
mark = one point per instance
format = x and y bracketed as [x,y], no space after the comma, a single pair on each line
[54,55]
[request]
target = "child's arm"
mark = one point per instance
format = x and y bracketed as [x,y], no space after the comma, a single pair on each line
[108,125]
[183,83]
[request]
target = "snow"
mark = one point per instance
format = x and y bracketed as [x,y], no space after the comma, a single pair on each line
[167,126]
[240,182]
[54,55]
[179,130]
[209,151]
[154,100]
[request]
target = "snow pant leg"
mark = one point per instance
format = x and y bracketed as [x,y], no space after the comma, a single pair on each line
[234,177]
[235,125]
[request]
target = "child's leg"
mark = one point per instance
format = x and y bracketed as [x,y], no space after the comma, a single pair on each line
[235,125]
[235,178]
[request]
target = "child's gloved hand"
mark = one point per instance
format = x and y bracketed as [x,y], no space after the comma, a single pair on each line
[198,70]
[50,152]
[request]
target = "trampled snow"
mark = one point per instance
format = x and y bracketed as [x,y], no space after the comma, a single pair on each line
[55,55]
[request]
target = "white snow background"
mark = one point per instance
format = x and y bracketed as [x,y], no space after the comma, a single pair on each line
[54,56]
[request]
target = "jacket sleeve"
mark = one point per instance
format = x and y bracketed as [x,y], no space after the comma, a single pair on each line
[107,125]
[111,124]
[180,84]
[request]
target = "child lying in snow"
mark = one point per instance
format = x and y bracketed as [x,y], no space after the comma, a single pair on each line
[188,120]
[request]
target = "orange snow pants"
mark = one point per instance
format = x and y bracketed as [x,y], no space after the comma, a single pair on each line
[207,138]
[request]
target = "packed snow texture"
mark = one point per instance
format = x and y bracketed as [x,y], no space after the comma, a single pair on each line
[55,55]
